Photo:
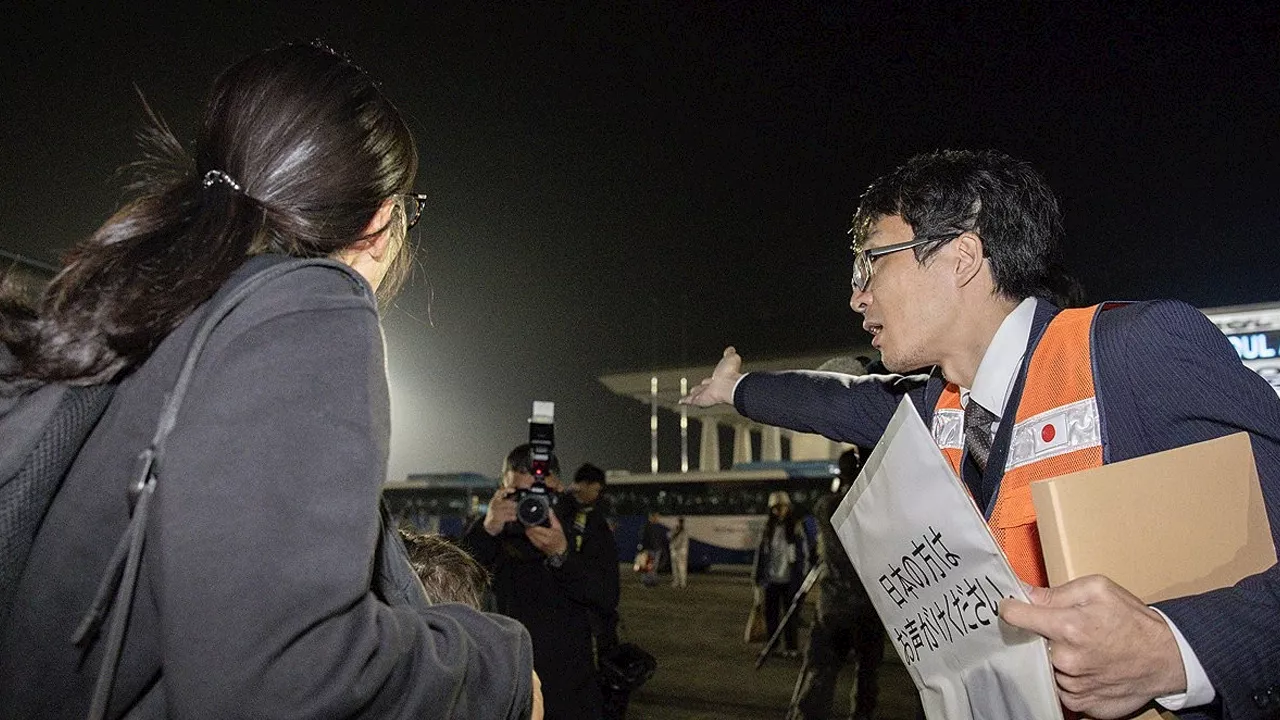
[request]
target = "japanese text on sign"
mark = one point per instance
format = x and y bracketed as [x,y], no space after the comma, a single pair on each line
[967,604]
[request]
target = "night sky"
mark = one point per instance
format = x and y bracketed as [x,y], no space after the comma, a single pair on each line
[624,186]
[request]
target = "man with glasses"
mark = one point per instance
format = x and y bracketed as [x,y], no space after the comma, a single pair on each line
[956,255]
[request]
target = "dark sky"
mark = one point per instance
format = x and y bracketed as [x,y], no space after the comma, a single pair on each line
[617,186]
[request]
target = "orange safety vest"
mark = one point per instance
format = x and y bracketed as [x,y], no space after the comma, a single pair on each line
[1056,431]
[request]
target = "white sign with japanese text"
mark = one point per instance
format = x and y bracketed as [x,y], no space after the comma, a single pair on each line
[936,578]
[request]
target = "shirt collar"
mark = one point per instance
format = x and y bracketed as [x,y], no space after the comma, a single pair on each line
[999,367]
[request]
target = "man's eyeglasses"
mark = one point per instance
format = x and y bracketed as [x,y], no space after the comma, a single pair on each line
[863,259]
[414,204]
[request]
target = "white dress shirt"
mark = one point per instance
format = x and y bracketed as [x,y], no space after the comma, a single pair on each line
[993,383]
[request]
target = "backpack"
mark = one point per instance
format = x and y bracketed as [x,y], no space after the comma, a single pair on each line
[626,667]
[42,431]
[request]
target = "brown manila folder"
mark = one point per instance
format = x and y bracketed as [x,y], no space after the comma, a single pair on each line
[1174,523]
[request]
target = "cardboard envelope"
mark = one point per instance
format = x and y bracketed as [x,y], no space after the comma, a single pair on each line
[1174,523]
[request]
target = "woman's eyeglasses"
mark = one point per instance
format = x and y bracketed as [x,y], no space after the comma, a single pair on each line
[414,204]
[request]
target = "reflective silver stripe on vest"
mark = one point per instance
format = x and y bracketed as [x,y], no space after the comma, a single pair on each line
[1055,432]
[948,429]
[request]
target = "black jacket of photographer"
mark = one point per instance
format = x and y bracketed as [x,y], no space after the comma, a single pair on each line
[555,603]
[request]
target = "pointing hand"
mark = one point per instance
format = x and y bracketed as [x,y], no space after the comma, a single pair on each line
[719,387]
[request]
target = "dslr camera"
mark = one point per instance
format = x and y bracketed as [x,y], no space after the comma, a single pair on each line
[534,505]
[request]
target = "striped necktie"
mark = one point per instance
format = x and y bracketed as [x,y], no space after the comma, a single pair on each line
[977,433]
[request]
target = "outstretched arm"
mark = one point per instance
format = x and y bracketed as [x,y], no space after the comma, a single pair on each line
[717,389]
[844,408]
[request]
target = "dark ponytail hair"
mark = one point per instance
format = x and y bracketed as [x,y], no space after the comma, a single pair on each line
[298,151]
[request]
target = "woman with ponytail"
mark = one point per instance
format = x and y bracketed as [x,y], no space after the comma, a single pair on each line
[255,594]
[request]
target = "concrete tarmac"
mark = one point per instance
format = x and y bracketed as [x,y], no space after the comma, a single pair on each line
[705,670]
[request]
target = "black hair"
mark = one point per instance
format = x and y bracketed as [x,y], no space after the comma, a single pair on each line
[1065,290]
[298,151]
[589,473]
[521,460]
[1004,201]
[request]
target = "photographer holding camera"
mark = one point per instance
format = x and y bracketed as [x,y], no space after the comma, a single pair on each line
[553,567]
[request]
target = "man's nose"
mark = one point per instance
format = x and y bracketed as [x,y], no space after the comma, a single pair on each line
[860,301]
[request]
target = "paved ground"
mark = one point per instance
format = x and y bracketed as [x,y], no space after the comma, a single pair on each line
[704,668]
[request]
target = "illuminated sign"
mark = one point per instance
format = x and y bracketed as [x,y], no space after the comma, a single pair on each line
[1256,346]
[1254,332]
[1244,323]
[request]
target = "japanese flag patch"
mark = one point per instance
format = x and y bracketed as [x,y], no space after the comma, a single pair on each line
[1051,433]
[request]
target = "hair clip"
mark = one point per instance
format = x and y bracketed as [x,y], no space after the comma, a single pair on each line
[217,176]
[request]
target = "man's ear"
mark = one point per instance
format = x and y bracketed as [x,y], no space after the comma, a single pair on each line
[968,258]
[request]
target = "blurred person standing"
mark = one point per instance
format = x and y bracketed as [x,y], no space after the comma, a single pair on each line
[846,621]
[779,567]
[679,555]
[654,540]
[589,483]
[258,587]
[588,489]
[557,580]
[589,486]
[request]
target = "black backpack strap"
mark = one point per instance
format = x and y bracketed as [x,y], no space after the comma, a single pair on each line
[120,579]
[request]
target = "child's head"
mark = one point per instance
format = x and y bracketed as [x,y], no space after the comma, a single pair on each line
[447,572]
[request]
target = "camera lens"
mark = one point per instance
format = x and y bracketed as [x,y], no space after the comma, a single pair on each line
[532,510]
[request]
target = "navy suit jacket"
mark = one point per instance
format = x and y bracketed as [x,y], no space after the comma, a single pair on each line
[1165,377]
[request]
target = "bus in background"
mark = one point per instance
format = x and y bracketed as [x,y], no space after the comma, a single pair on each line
[439,502]
[724,512]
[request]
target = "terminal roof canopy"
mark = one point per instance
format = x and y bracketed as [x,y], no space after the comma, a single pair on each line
[639,384]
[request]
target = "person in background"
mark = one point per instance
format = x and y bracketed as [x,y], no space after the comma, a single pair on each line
[554,579]
[679,555]
[846,621]
[589,483]
[654,540]
[258,583]
[779,567]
